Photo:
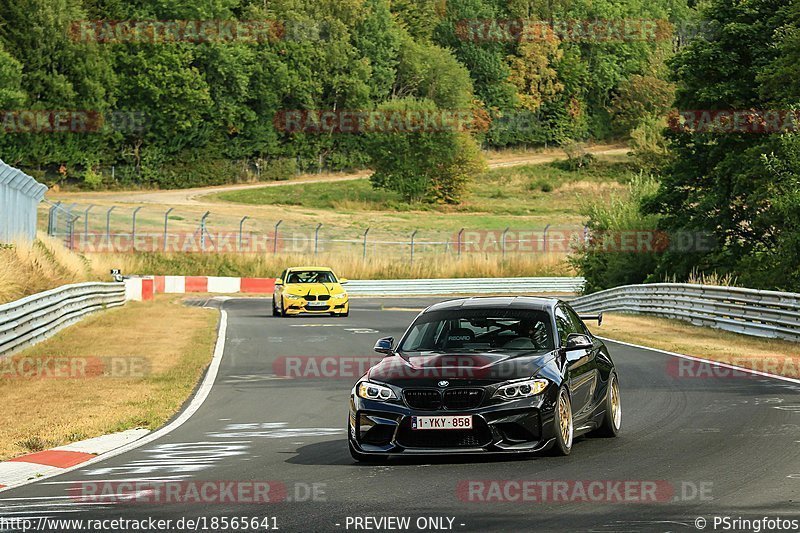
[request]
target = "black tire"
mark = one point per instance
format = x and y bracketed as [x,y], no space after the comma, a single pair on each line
[612,420]
[275,309]
[563,443]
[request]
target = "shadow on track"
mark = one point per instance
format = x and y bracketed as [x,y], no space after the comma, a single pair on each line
[334,452]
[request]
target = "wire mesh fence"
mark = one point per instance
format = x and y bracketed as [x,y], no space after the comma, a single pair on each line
[128,229]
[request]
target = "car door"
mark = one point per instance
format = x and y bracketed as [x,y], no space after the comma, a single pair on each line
[582,380]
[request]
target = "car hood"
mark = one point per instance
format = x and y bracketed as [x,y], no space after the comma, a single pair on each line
[428,368]
[315,289]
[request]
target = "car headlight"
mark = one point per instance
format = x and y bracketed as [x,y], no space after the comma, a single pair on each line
[521,389]
[340,296]
[294,296]
[373,391]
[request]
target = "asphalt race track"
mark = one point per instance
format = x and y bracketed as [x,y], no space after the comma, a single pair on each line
[728,446]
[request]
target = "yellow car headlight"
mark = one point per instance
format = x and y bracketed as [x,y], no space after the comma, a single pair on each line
[340,296]
[294,296]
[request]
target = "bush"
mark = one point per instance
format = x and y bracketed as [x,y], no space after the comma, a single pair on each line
[648,145]
[541,184]
[423,166]
[279,169]
[607,266]
[92,179]
[578,157]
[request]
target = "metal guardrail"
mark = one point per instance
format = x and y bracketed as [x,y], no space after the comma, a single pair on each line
[32,319]
[747,311]
[416,287]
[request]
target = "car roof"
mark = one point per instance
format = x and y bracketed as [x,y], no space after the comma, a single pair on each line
[497,302]
[322,269]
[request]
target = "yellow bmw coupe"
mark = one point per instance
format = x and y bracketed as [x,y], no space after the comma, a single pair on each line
[310,290]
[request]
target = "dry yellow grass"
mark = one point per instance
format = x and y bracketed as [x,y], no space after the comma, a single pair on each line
[351,266]
[767,355]
[43,411]
[30,268]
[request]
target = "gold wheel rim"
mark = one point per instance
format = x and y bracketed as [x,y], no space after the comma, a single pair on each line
[565,419]
[616,405]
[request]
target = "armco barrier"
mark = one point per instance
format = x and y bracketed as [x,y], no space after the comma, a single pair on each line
[395,287]
[35,318]
[420,287]
[747,311]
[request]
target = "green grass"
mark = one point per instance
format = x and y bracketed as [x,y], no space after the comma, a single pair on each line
[357,193]
[516,191]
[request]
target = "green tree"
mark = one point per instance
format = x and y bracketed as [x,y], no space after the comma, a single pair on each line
[423,166]
[738,186]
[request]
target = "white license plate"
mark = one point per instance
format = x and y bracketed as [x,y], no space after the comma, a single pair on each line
[318,304]
[441,422]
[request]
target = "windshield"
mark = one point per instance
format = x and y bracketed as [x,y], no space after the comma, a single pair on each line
[310,276]
[461,330]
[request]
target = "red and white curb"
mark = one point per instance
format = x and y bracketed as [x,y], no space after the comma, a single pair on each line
[145,287]
[20,470]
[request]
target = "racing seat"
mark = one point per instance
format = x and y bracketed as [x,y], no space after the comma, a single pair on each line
[458,337]
[538,341]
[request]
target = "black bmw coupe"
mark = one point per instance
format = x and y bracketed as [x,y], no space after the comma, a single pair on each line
[486,375]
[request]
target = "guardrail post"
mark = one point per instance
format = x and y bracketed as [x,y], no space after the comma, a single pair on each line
[166,227]
[460,240]
[316,238]
[503,241]
[365,244]
[241,229]
[203,231]
[275,242]
[108,225]
[413,236]
[133,228]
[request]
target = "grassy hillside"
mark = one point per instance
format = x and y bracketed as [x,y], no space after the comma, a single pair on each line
[42,265]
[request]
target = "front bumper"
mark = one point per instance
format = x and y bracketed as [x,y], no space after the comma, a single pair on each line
[298,307]
[383,428]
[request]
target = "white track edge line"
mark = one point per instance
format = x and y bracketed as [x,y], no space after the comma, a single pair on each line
[197,401]
[702,360]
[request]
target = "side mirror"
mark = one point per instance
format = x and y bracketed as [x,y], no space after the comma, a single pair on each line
[385,346]
[343,281]
[278,281]
[578,341]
